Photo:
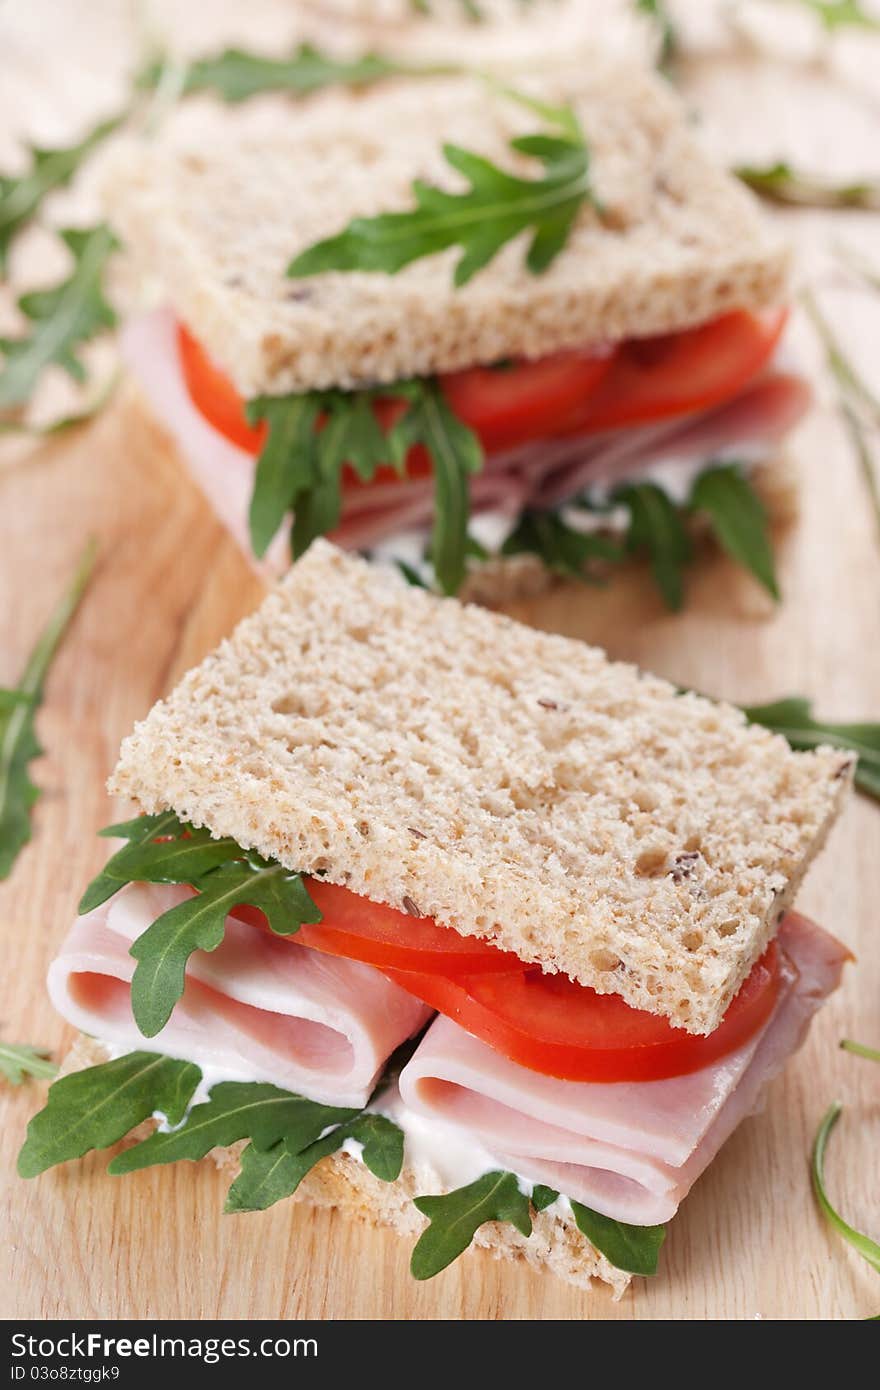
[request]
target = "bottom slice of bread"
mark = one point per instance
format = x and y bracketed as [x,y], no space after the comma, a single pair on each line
[556,1246]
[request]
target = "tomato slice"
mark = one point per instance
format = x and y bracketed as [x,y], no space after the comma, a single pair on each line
[214,395]
[655,378]
[512,404]
[554,1026]
[567,393]
[359,929]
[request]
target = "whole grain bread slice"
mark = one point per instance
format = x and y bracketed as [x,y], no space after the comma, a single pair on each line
[678,241]
[342,1182]
[515,785]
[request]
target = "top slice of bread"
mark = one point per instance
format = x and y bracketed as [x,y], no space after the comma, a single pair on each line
[679,240]
[515,785]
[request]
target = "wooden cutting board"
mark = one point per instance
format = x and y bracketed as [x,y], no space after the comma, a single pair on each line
[748,1242]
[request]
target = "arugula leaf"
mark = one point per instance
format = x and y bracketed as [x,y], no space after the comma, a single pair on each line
[471,9]
[93,1108]
[235,74]
[867,1248]
[143,830]
[635,1249]
[543,1197]
[792,717]
[656,526]
[18,742]
[860,1050]
[235,1110]
[266,1177]
[455,453]
[855,398]
[738,520]
[163,849]
[21,195]
[383,1145]
[560,547]
[269,1176]
[669,42]
[456,1217]
[782,184]
[285,467]
[63,317]
[840,14]
[497,207]
[312,437]
[18,1060]
[199,923]
[351,435]
[71,421]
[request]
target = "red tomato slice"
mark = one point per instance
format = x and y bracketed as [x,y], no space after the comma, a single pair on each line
[215,397]
[655,378]
[567,393]
[510,405]
[554,1026]
[359,929]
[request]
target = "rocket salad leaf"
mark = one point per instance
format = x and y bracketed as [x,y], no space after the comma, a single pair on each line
[496,207]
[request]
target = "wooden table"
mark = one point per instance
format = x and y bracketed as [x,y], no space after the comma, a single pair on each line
[748,1242]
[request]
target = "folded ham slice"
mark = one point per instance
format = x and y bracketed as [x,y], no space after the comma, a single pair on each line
[630,1150]
[545,473]
[259,1008]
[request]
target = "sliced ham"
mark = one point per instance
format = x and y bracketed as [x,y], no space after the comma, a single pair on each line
[633,1150]
[543,474]
[259,1008]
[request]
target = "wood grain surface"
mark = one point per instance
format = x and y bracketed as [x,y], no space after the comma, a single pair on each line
[748,1242]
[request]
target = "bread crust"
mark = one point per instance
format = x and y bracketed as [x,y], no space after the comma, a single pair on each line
[678,243]
[515,785]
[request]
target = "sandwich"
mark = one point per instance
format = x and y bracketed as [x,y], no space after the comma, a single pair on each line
[487,333]
[445,922]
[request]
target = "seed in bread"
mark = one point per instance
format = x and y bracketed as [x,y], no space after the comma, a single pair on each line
[557,795]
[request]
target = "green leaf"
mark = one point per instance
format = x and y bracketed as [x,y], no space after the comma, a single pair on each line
[383,1145]
[860,1050]
[22,195]
[543,1197]
[350,434]
[62,423]
[18,1060]
[455,453]
[287,461]
[18,741]
[312,437]
[855,400]
[841,14]
[792,717]
[564,550]
[93,1108]
[635,1249]
[456,1217]
[669,41]
[867,1248]
[236,1110]
[497,207]
[162,951]
[781,183]
[141,831]
[656,527]
[265,1178]
[236,75]
[62,318]
[270,1176]
[738,519]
